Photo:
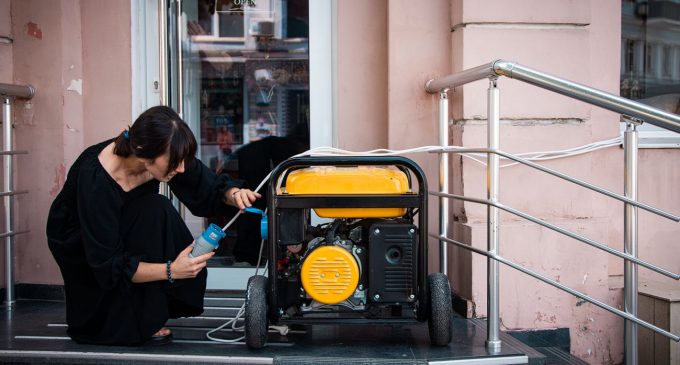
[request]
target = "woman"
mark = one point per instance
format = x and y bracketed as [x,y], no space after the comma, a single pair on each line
[122,249]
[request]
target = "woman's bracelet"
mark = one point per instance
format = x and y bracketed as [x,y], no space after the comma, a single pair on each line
[169,272]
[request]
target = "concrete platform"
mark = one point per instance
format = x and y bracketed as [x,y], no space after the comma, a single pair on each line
[35,333]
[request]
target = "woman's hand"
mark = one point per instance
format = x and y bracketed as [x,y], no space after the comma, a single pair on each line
[241,198]
[185,267]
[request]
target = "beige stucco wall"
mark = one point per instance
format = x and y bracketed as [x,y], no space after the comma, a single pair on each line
[77,56]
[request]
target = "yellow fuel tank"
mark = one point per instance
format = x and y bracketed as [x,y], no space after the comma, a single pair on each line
[357,180]
[330,274]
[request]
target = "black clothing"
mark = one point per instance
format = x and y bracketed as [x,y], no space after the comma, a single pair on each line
[255,161]
[98,233]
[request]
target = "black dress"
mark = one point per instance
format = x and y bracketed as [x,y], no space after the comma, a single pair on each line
[98,234]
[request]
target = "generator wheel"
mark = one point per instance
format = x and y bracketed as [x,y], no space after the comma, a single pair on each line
[256,312]
[439,319]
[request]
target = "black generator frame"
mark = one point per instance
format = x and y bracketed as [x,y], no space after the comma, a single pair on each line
[410,200]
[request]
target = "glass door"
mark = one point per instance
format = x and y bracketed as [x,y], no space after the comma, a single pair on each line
[242,83]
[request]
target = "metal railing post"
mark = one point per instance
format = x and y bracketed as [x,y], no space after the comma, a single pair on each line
[630,273]
[8,186]
[493,341]
[443,179]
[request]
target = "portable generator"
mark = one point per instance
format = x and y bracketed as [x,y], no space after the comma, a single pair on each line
[365,264]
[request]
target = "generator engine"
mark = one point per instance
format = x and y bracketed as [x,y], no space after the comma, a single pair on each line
[352,265]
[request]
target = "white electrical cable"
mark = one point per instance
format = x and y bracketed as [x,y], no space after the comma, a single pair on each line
[477,157]
[332,151]
[241,311]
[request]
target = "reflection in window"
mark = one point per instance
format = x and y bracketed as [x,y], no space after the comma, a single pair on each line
[248,76]
[650,52]
[667,61]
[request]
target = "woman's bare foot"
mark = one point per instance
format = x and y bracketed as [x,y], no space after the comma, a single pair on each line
[162,332]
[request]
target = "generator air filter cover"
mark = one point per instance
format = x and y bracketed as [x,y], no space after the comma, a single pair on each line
[330,274]
[359,180]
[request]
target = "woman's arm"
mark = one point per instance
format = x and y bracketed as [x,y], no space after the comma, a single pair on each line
[184,267]
[207,194]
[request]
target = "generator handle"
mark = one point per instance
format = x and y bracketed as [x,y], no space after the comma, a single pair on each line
[307,161]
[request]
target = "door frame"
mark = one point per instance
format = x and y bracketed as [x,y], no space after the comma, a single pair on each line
[322,75]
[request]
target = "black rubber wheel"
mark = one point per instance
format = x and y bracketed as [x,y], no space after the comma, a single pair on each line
[256,312]
[439,320]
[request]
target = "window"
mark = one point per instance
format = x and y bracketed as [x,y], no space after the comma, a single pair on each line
[650,57]
[667,60]
[630,56]
[247,71]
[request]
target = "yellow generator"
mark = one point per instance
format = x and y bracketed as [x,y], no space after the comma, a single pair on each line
[365,264]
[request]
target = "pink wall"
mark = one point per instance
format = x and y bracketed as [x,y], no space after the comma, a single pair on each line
[74,53]
[575,39]
[419,48]
[362,95]
[384,50]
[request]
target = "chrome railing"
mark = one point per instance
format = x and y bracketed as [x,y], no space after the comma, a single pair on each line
[8,92]
[634,113]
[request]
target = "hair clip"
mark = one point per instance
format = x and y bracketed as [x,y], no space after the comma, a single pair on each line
[126,135]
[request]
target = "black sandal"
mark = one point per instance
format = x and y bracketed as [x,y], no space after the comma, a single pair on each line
[158,340]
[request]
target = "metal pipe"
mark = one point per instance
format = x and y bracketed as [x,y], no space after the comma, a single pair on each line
[9,193]
[163,51]
[460,78]
[560,175]
[563,231]
[8,186]
[164,90]
[443,179]
[20,91]
[8,234]
[563,288]
[180,61]
[493,341]
[215,29]
[179,77]
[590,95]
[630,274]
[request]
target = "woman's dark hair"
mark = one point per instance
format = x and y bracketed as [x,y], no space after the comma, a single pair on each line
[157,130]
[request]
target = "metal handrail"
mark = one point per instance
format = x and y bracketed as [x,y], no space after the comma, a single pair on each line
[563,231]
[8,92]
[20,91]
[571,89]
[634,113]
[563,287]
